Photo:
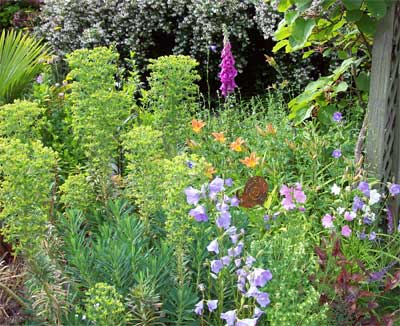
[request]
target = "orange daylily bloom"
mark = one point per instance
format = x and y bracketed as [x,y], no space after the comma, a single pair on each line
[251,161]
[237,145]
[197,125]
[290,144]
[210,170]
[269,130]
[219,136]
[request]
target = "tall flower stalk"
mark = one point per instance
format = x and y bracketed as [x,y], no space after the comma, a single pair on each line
[228,70]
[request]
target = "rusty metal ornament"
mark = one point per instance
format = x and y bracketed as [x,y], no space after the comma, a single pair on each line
[255,192]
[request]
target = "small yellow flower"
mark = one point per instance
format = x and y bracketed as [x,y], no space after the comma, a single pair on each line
[219,136]
[237,145]
[251,161]
[197,125]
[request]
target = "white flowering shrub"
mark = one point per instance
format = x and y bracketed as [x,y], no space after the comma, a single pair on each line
[153,28]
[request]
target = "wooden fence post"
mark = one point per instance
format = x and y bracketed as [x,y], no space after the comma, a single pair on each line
[383,136]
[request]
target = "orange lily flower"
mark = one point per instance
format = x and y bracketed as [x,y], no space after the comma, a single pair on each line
[237,145]
[269,130]
[197,125]
[210,171]
[251,161]
[219,136]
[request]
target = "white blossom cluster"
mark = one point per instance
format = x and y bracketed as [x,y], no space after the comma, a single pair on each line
[143,26]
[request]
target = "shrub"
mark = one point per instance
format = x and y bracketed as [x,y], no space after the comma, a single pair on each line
[97,109]
[154,28]
[29,172]
[22,120]
[172,96]
[103,306]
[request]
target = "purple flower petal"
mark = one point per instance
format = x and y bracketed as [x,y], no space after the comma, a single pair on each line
[212,304]
[213,246]
[199,214]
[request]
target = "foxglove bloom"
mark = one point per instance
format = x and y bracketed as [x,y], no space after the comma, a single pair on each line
[229,317]
[216,266]
[337,117]
[199,214]
[394,189]
[213,246]
[199,308]
[228,70]
[337,153]
[212,304]
[192,195]
[327,221]
[346,231]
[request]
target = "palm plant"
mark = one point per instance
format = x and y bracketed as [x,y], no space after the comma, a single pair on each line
[19,63]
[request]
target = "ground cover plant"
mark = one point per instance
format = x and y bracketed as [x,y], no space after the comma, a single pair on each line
[130,204]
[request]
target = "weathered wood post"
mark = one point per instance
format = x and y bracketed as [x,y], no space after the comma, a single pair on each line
[383,137]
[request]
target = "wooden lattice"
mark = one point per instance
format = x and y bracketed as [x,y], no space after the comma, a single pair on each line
[383,140]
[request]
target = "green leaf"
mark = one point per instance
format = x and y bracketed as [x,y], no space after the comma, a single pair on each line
[302,5]
[342,87]
[19,62]
[302,29]
[290,16]
[353,15]
[352,4]
[376,8]
[367,25]
[283,33]
[362,81]
[325,114]
[301,114]
[280,45]
[342,55]
[284,5]
[307,54]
